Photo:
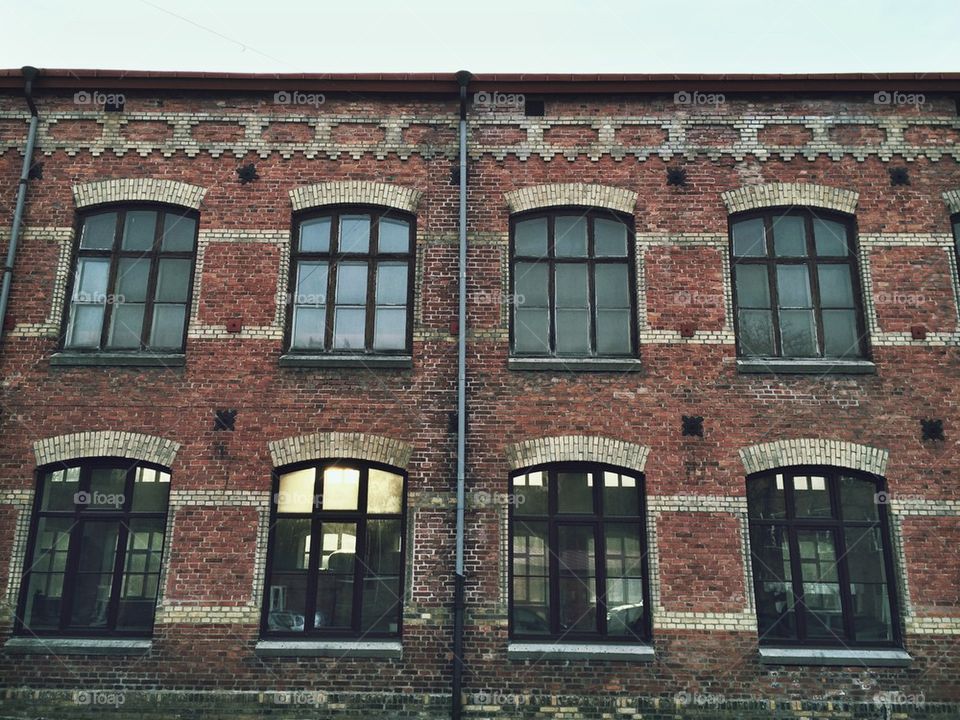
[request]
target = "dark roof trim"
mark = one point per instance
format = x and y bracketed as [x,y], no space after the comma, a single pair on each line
[446,83]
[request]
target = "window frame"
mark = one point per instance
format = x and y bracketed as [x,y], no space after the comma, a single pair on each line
[597,519]
[87,465]
[955,228]
[836,524]
[333,259]
[360,517]
[811,261]
[114,254]
[551,260]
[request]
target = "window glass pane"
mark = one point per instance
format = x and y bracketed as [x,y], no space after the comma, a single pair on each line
[59,488]
[610,238]
[811,498]
[621,494]
[133,274]
[572,314]
[836,288]
[394,235]
[858,499]
[573,332]
[391,284]
[829,237]
[793,286]
[840,335]
[530,493]
[748,238]
[756,332]
[530,238]
[530,283]
[173,281]
[167,330]
[86,322]
[352,283]
[531,585]
[613,332]
[44,595]
[571,285]
[753,286]
[315,235]
[291,544]
[98,231]
[868,584]
[309,327]
[765,497]
[574,492]
[789,236]
[311,283]
[107,486]
[531,330]
[390,332]
[798,333]
[297,493]
[179,232]
[91,598]
[98,547]
[52,544]
[126,326]
[341,488]
[139,229]
[821,586]
[776,614]
[570,236]
[349,328]
[138,592]
[288,602]
[612,285]
[90,285]
[335,580]
[381,584]
[624,590]
[354,233]
[577,578]
[384,492]
[151,489]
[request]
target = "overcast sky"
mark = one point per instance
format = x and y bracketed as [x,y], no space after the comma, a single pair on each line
[484,35]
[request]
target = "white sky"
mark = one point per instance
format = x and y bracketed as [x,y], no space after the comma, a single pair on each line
[674,36]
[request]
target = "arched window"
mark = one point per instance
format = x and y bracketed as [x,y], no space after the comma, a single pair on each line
[95,549]
[351,280]
[335,564]
[796,285]
[132,279]
[572,289]
[822,562]
[578,559]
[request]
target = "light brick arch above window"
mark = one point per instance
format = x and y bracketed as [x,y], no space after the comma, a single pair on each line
[106,443]
[138,190]
[577,448]
[952,199]
[579,194]
[356,446]
[813,451]
[356,192]
[752,197]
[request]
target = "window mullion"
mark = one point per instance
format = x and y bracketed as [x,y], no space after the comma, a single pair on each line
[813,269]
[332,280]
[360,555]
[73,553]
[313,572]
[771,263]
[551,285]
[112,278]
[553,553]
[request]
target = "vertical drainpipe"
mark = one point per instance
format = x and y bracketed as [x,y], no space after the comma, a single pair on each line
[463,79]
[29,74]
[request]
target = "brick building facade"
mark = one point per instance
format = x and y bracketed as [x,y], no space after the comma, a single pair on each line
[660,393]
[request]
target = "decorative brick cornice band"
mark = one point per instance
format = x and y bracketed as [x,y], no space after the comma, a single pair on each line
[812,451]
[138,189]
[952,199]
[582,194]
[753,197]
[106,443]
[574,448]
[359,446]
[356,192]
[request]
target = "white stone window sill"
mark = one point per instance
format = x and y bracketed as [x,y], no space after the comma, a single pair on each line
[578,651]
[839,656]
[330,648]
[811,366]
[76,646]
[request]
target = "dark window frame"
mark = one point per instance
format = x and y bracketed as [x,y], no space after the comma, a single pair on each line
[360,517]
[811,261]
[81,514]
[836,524]
[591,214]
[955,227]
[333,258]
[553,519]
[114,254]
